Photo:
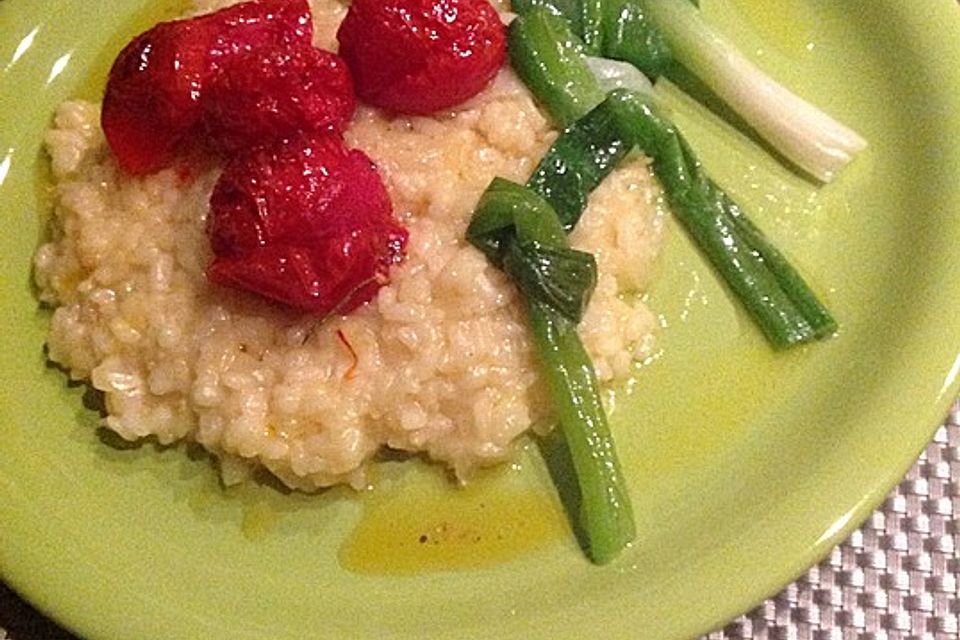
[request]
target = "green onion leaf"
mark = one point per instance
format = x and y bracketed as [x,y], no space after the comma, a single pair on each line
[561,278]
[630,36]
[770,289]
[569,10]
[584,154]
[606,515]
[584,17]
[591,26]
[521,230]
[549,57]
[507,211]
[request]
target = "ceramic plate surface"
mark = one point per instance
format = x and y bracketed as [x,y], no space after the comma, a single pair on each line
[746,466]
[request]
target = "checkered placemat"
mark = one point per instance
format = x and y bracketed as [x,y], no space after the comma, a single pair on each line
[894,579]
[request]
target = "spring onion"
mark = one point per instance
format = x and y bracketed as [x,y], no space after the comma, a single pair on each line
[651,34]
[584,154]
[538,261]
[799,131]
[584,17]
[550,59]
[630,36]
[772,291]
[569,10]
[606,514]
[591,25]
[769,288]
[614,29]
[522,230]
[511,215]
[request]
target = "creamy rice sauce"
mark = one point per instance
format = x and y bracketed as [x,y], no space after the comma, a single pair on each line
[439,362]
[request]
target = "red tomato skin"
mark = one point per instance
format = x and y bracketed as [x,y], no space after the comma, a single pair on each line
[276,93]
[152,103]
[307,223]
[421,56]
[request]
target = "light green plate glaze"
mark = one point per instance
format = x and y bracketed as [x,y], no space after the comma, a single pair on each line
[746,467]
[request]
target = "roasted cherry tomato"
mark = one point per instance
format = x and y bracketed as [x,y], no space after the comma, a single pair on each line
[152,104]
[421,56]
[307,223]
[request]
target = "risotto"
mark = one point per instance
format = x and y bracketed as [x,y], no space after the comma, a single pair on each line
[439,362]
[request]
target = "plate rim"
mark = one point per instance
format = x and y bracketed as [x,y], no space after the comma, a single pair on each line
[948,394]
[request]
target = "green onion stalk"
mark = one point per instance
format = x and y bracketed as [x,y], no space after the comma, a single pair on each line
[520,232]
[769,288]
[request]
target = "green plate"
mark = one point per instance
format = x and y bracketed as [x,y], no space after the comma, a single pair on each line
[746,467]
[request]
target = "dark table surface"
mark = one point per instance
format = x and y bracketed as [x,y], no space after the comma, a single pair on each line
[23,622]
